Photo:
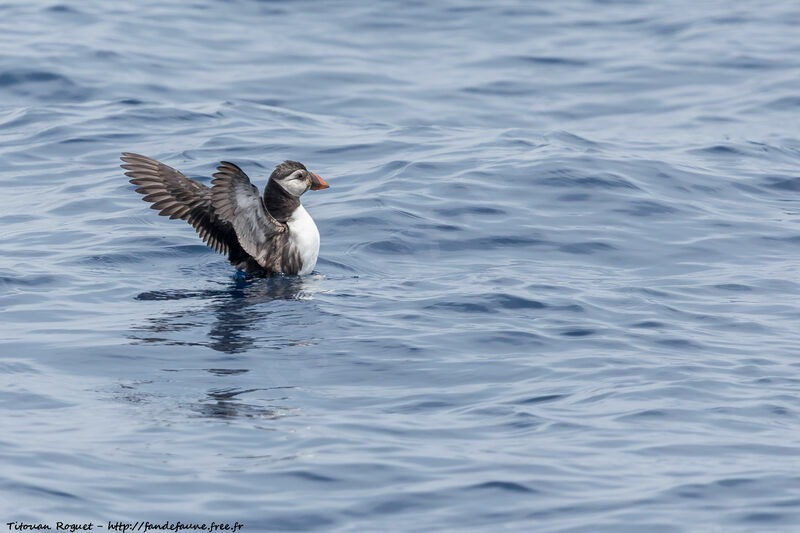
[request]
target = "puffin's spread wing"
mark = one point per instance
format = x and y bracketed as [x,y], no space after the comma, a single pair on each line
[173,194]
[238,202]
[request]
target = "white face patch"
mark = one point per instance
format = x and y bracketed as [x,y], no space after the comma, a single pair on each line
[295,183]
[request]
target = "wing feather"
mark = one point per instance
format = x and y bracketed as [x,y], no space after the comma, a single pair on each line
[176,196]
[238,202]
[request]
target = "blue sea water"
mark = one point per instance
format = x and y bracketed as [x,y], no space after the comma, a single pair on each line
[557,288]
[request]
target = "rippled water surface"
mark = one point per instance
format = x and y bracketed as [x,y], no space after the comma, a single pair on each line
[557,289]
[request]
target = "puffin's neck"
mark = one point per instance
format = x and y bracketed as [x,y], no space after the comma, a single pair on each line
[280,203]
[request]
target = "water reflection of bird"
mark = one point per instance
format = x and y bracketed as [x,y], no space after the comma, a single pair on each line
[225,403]
[237,310]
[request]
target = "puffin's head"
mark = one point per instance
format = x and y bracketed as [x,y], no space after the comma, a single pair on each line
[296,179]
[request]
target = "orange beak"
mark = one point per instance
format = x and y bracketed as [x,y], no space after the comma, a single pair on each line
[318,183]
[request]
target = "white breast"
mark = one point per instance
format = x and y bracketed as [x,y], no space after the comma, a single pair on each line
[304,236]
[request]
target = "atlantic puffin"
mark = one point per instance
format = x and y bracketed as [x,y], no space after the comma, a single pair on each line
[262,236]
